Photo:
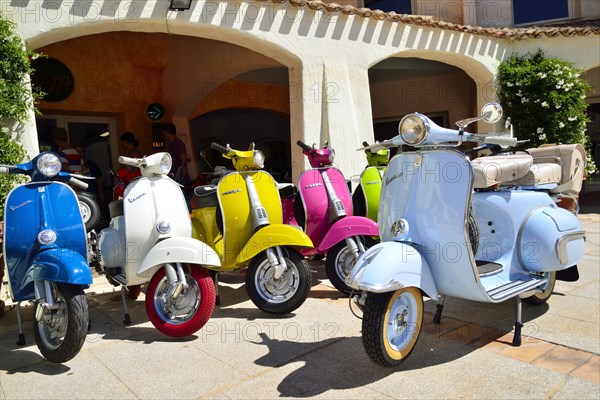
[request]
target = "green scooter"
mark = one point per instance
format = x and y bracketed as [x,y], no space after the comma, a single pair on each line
[365,199]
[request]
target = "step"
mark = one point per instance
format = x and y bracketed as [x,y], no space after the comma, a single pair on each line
[513,288]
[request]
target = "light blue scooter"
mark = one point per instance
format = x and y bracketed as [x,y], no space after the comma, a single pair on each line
[46,259]
[449,228]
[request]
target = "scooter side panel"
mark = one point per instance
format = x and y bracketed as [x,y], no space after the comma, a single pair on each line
[24,220]
[271,236]
[370,181]
[431,191]
[269,195]
[235,208]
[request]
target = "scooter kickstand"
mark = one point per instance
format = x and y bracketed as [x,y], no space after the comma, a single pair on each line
[216,278]
[21,341]
[127,320]
[438,310]
[518,324]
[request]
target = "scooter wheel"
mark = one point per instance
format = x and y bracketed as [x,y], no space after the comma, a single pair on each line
[285,294]
[90,211]
[542,297]
[340,262]
[60,336]
[391,325]
[190,311]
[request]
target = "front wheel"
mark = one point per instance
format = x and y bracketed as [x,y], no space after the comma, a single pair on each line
[190,311]
[340,261]
[542,296]
[283,295]
[391,325]
[60,334]
[90,211]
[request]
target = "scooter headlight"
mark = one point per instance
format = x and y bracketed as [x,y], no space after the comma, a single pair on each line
[163,227]
[49,164]
[165,163]
[414,129]
[46,237]
[259,158]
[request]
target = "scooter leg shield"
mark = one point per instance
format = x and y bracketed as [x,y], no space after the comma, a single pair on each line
[177,249]
[390,266]
[345,228]
[60,265]
[272,236]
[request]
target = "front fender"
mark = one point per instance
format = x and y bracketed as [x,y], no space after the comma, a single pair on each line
[271,236]
[177,250]
[345,228]
[390,266]
[59,265]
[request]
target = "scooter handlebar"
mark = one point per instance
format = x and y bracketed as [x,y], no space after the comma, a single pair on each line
[502,141]
[304,146]
[128,161]
[4,169]
[77,183]
[365,144]
[219,148]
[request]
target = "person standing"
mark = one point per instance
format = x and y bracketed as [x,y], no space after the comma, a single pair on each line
[130,143]
[177,150]
[71,159]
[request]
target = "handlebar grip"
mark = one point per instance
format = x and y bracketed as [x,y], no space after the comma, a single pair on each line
[365,144]
[219,148]
[304,146]
[503,141]
[77,183]
[128,161]
[4,169]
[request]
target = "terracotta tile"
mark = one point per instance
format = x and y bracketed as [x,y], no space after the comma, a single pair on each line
[466,334]
[446,325]
[590,370]
[562,359]
[528,350]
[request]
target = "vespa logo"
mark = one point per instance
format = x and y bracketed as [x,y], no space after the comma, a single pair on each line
[23,204]
[136,198]
[391,178]
[313,185]
[372,183]
[231,192]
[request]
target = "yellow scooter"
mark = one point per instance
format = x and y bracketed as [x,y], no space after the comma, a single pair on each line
[241,219]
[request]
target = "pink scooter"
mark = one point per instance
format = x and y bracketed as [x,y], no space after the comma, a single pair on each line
[323,208]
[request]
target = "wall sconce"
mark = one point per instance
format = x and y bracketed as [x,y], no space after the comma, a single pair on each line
[180,5]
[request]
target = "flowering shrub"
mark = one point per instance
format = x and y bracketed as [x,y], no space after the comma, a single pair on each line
[545,98]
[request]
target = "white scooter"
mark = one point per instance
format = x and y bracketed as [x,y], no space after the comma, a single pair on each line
[449,229]
[150,240]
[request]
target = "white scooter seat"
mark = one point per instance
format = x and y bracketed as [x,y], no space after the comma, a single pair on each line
[490,171]
[540,174]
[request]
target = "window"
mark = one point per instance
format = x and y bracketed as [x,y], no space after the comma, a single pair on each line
[530,11]
[399,6]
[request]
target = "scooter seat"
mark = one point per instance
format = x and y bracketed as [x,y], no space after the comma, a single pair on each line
[540,174]
[287,190]
[206,196]
[490,171]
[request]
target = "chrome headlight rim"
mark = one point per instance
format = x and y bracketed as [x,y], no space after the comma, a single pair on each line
[163,227]
[166,162]
[49,164]
[331,155]
[406,131]
[46,237]
[259,158]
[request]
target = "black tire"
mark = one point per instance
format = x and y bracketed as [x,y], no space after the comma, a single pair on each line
[90,211]
[381,318]
[340,261]
[359,205]
[284,296]
[72,333]
[542,297]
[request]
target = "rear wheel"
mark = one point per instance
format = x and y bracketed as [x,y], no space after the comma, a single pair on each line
[190,311]
[542,296]
[60,334]
[340,261]
[283,295]
[391,325]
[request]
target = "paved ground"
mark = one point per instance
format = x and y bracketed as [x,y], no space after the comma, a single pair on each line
[243,353]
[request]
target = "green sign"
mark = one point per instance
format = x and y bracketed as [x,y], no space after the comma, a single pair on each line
[155,111]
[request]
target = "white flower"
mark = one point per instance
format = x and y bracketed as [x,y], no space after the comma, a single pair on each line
[545,104]
[509,84]
[524,100]
[540,130]
[542,75]
[536,101]
[561,125]
[558,106]
[542,136]
[518,83]
[572,118]
[519,93]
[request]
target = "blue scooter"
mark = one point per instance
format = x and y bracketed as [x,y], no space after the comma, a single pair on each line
[46,259]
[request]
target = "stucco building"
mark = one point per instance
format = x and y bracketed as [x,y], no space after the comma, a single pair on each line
[275,71]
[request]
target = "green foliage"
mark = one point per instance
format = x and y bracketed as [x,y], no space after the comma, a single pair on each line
[11,153]
[545,98]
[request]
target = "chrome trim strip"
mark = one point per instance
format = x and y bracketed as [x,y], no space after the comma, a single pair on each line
[561,244]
